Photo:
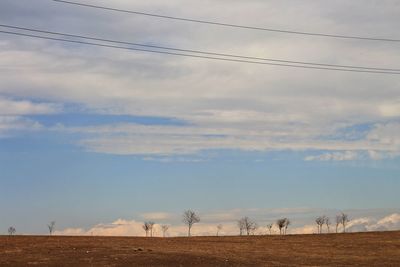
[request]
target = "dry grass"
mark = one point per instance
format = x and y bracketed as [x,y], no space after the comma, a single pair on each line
[358,249]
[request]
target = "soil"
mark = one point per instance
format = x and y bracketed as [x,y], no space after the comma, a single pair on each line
[351,249]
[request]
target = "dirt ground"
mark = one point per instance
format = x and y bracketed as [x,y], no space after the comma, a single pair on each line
[358,249]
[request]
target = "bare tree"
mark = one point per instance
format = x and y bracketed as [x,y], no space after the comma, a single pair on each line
[164,229]
[338,222]
[269,226]
[52,227]
[241,225]
[219,228]
[287,223]
[245,224]
[320,221]
[190,218]
[151,224]
[251,228]
[146,227]
[11,230]
[344,220]
[328,223]
[281,224]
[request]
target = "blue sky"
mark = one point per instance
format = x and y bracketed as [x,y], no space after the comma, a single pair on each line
[45,176]
[92,135]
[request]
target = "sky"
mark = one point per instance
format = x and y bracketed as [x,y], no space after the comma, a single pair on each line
[101,139]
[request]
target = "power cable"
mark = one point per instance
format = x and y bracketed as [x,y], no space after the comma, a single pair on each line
[193,56]
[215,23]
[197,51]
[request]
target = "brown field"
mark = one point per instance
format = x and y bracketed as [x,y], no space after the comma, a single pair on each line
[358,249]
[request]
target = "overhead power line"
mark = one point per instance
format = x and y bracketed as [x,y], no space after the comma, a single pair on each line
[215,23]
[191,55]
[198,51]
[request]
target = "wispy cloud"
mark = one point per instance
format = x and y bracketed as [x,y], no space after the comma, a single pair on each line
[11,107]
[134,139]
[156,216]
[12,113]
[335,156]
[17,123]
[230,106]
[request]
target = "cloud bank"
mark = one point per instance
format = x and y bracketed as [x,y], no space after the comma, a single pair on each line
[227,105]
[122,227]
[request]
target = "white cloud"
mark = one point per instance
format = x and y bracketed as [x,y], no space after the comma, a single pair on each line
[71,232]
[391,222]
[231,215]
[228,105]
[361,224]
[170,140]
[383,136]
[387,134]
[335,156]
[306,229]
[9,107]
[12,111]
[156,216]
[17,123]
[375,155]
[123,227]
[119,227]
[390,109]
